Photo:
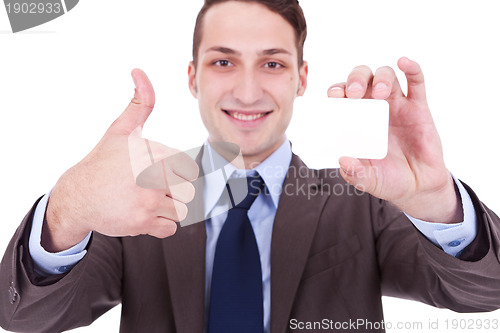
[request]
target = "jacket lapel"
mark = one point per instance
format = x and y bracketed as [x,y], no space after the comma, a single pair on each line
[185,261]
[293,231]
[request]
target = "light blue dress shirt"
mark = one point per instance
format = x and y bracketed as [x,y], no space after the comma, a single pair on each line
[452,238]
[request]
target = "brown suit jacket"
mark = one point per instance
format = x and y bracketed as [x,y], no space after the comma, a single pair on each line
[333,255]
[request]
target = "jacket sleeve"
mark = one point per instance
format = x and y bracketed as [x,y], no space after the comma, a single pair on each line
[424,272]
[32,303]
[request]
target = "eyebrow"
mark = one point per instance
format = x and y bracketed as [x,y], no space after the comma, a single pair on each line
[227,50]
[274,51]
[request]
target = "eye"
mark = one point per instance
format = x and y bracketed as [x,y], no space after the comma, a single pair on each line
[223,63]
[273,65]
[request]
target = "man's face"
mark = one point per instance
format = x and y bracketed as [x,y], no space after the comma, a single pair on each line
[247,77]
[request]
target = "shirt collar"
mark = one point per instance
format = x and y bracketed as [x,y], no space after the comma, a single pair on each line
[273,171]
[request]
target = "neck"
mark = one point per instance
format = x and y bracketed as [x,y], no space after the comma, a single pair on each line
[232,153]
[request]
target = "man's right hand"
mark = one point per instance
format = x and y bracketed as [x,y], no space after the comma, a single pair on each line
[100,192]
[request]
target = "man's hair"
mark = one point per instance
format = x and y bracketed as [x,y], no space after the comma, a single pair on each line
[290,10]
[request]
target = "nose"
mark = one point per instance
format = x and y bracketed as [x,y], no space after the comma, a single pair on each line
[248,90]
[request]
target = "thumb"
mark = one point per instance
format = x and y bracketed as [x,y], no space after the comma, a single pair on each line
[359,172]
[139,108]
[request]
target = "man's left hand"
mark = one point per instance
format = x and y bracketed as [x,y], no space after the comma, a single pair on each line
[413,175]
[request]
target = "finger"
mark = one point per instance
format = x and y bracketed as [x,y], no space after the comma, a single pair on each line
[414,77]
[139,108]
[178,161]
[358,82]
[180,189]
[144,153]
[156,166]
[337,90]
[359,173]
[161,176]
[162,228]
[386,84]
[183,166]
[171,209]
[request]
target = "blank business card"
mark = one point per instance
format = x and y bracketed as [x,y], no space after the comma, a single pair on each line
[322,130]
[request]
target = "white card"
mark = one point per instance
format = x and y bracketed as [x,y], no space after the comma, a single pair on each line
[328,128]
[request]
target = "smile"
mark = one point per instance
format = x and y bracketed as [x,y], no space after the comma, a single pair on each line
[246,116]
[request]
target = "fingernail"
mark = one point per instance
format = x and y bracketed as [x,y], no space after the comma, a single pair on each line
[355,86]
[380,87]
[336,92]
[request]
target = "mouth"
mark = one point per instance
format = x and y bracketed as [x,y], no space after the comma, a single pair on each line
[247,116]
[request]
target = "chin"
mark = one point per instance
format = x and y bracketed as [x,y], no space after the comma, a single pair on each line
[256,152]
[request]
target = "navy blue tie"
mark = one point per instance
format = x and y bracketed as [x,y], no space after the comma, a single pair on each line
[236,292]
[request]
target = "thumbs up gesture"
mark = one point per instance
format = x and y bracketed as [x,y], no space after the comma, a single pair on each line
[103,193]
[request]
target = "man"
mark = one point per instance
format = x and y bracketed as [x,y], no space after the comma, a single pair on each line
[327,256]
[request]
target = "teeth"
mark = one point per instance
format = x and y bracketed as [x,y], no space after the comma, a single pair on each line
[246,117]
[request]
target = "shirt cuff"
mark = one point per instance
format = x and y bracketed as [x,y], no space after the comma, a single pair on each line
[455,237]
[47,263]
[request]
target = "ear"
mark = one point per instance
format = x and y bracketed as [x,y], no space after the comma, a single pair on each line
[192,80]
[303,70]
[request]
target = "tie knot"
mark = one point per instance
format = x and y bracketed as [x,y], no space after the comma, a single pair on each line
[243,193]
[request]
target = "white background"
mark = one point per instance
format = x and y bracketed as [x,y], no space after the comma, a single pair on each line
[63,83]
